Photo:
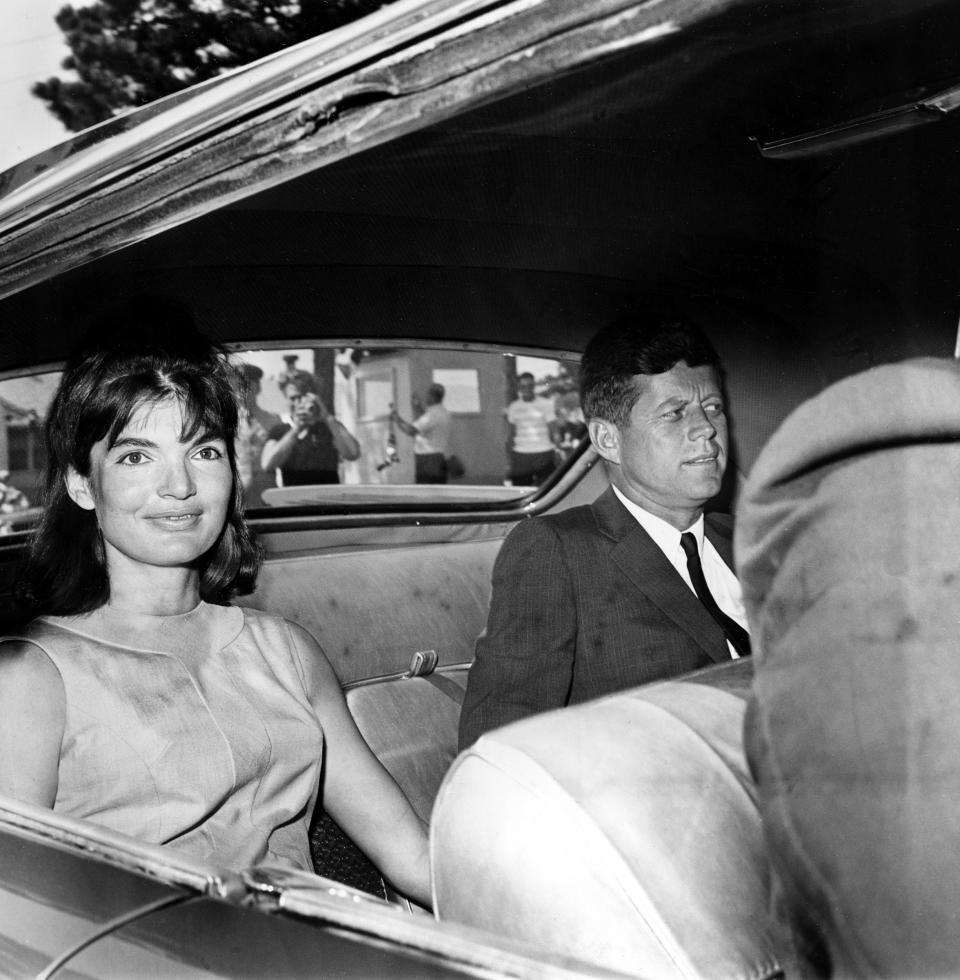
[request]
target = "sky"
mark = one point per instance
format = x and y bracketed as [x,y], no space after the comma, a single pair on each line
[31,49]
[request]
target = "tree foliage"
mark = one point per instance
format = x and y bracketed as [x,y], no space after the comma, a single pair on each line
[127,53]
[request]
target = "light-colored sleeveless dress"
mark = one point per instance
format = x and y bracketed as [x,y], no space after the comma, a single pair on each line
[193,731]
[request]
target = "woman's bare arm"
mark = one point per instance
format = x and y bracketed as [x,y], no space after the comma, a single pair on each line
[358,792]
[32,719]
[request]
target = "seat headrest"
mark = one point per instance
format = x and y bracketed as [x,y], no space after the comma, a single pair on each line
[622,832]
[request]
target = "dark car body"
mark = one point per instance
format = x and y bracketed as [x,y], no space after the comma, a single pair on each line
[472,175]
[78,901]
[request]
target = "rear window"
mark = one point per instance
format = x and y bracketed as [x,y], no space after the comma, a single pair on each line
[487,427]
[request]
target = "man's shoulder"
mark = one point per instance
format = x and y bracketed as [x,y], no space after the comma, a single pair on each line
[536,544]
[606,518]
[573,520]
[278,430]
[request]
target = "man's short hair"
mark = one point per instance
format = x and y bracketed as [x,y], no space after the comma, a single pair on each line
[303,382]
[437,390]
[251,372]
[630,346]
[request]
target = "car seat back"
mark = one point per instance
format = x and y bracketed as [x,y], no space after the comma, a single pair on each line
[623,832]
[398,624]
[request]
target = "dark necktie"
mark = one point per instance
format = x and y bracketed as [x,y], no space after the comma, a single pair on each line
[735,633]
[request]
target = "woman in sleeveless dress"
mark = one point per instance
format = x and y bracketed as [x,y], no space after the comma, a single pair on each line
[138,697]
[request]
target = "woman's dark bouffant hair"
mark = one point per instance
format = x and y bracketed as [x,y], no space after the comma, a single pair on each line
[144,353]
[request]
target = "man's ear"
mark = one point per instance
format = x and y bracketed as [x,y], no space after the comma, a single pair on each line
[78,488]
[605,437]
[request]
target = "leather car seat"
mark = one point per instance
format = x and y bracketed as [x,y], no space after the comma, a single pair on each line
[622,832]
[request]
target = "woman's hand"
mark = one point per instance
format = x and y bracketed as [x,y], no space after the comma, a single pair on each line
[357,791]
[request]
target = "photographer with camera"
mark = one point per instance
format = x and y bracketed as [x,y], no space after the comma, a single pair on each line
[307,448]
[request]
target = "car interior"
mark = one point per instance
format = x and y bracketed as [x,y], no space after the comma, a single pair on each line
[783,173]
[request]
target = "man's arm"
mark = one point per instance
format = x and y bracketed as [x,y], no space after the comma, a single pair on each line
[407,428]
[343,439]
[419,427]
[276,450]
[524,658]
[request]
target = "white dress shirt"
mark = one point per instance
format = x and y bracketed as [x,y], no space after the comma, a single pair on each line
[721,581]
[433,431]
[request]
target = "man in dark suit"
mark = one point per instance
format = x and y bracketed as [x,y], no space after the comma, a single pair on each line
[603,597]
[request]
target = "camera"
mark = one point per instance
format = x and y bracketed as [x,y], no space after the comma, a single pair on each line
[308,406]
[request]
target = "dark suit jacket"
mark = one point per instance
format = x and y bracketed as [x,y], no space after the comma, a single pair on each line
[585,603]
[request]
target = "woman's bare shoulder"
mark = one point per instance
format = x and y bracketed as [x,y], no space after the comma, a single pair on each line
[22,662]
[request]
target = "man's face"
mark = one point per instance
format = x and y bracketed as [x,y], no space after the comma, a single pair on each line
[525,387]
[673,453]
[297,398]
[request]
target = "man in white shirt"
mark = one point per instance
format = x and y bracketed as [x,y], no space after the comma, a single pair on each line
[431,437]
[639,585]
[532,443]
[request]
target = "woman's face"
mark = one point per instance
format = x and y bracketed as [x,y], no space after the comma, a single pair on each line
[159,500]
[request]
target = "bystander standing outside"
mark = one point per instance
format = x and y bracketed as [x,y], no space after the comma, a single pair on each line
[431,437]
[532,442]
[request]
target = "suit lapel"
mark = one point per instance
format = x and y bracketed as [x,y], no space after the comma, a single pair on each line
[637,556]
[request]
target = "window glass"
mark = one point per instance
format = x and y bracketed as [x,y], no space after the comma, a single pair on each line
[480,426]
[23,408]
[467,424]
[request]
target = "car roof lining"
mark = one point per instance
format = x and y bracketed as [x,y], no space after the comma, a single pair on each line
[631,183]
